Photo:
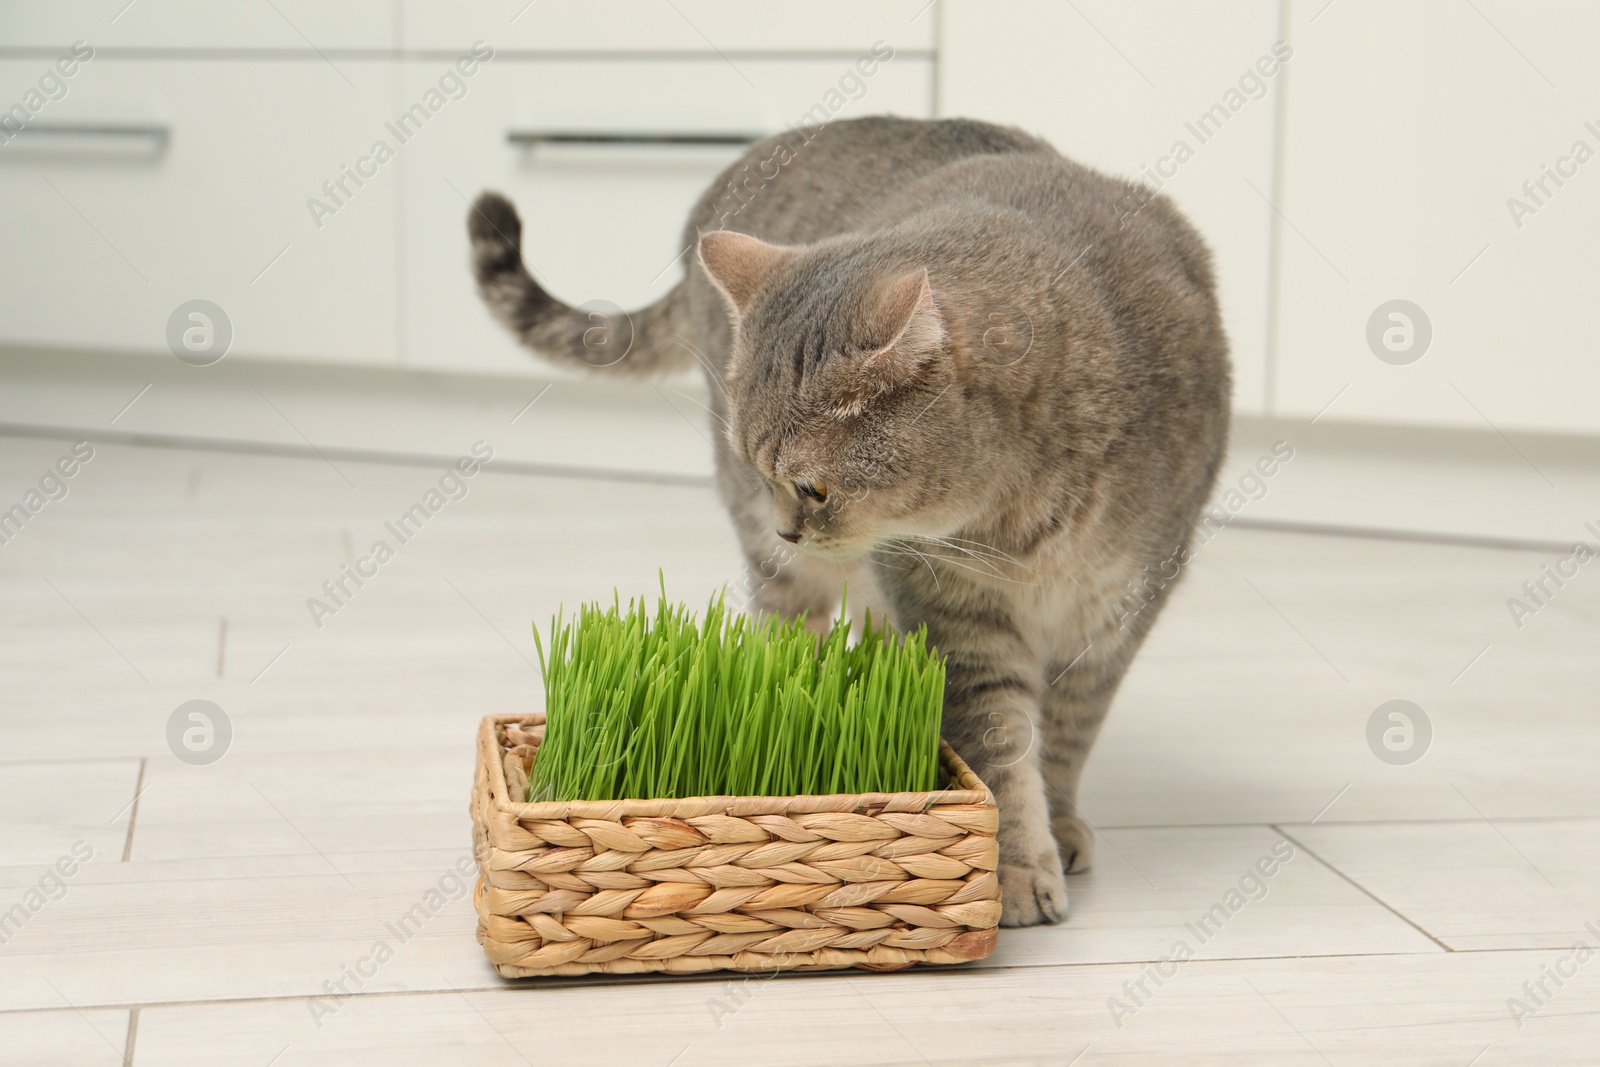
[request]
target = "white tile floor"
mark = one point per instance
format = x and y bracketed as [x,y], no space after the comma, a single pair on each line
[1418,901]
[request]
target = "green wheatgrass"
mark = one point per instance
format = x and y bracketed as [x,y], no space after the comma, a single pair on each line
[641,705]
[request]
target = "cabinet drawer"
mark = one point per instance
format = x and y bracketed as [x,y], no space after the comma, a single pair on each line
[296,25]
[700,26]
[601,221]
[193,183]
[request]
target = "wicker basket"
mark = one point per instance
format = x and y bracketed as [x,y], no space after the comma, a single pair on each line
[879,881]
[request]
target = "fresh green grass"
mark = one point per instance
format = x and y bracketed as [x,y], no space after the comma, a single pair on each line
[664,706]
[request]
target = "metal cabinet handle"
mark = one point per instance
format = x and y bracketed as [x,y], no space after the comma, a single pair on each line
[120,130]
[529,138]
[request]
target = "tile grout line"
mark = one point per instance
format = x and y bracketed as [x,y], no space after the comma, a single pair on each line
[509,987]
[29,761]
[353,454]
[533,468]
[133,815]
[1376,899]
[185,878]
[133,1033]
[1317,528]
[1120,827]
[1274,824]
[709,978]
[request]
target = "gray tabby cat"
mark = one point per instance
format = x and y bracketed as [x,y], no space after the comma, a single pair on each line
[986,386]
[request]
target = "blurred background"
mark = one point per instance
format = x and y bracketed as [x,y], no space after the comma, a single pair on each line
[306,168]
[239,338]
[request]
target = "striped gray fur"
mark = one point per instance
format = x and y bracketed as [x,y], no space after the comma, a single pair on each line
[1009,375]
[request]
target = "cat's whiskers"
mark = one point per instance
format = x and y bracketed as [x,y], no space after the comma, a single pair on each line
[989,556]
[988,565]
[725,424]
[902,548]
[986,547]
[992,564]
[902,544]
[712,371]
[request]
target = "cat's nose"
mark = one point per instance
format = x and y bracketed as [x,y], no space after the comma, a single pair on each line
[792,538]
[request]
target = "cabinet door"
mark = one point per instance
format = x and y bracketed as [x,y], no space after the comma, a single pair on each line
[1445,155]
[153,183]
[1120,87]
[704,26]
[600,221]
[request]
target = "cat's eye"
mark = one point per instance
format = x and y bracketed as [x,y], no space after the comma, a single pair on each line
[814,490]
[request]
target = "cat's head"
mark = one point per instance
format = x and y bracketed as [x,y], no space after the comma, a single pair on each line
[839,392]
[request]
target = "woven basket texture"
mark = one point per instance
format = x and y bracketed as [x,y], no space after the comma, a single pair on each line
[878,881]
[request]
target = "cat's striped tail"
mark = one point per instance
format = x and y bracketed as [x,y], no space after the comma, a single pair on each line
[647,341]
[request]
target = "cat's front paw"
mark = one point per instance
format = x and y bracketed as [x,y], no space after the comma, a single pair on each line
[1075,840]
[1032,893]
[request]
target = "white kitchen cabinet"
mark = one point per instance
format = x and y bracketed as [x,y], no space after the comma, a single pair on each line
[192,183]
[601,221]
[1411,128]
[1117,86]
[1439,153]
[293,25]
[704,27]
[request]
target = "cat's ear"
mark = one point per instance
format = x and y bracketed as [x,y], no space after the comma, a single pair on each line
[903,333]
[738,263]
[907,321]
